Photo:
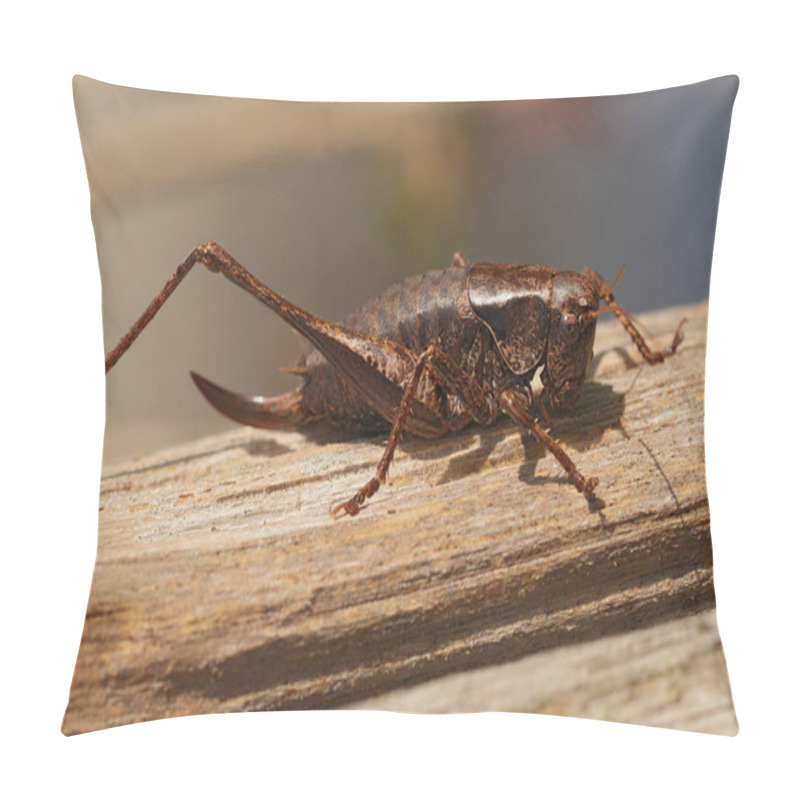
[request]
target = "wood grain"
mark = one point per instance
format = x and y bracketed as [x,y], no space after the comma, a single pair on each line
[669,675]
[223,584]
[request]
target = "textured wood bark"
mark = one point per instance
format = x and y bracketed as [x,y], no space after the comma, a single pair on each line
[223,584]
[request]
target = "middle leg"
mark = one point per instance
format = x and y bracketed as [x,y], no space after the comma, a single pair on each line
[455,383]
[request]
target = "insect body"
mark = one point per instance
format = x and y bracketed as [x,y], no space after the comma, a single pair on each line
[429,355]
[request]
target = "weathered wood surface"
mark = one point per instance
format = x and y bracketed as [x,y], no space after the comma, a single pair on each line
[671,675]
[223,584]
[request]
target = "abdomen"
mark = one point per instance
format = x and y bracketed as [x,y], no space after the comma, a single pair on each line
[415,313]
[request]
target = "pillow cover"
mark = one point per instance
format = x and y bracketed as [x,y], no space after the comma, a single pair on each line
[476,578]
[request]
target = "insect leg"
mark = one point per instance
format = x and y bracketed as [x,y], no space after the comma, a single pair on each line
[130,337]
[517,405]
[216,259]
[352,353]
[627,322]
[649,356]
[455,382]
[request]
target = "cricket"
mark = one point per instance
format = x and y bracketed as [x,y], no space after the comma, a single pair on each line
[429,355]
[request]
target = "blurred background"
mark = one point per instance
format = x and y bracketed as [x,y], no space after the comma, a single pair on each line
[329,204]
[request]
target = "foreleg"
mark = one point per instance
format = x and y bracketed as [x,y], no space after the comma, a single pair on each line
[627,322]
[516,404]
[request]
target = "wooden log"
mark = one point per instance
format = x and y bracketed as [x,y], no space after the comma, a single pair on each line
[222,582]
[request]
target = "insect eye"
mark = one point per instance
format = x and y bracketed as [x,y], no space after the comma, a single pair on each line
[586,309]
[569,320]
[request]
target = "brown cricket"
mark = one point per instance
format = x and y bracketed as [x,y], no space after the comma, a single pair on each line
[429,355]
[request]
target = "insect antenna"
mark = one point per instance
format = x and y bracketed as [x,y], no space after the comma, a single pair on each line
[608,297]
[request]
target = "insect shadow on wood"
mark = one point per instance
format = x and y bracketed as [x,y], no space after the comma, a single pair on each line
[261,449]
[430,355]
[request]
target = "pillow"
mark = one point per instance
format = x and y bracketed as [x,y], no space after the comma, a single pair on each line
[475,577]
